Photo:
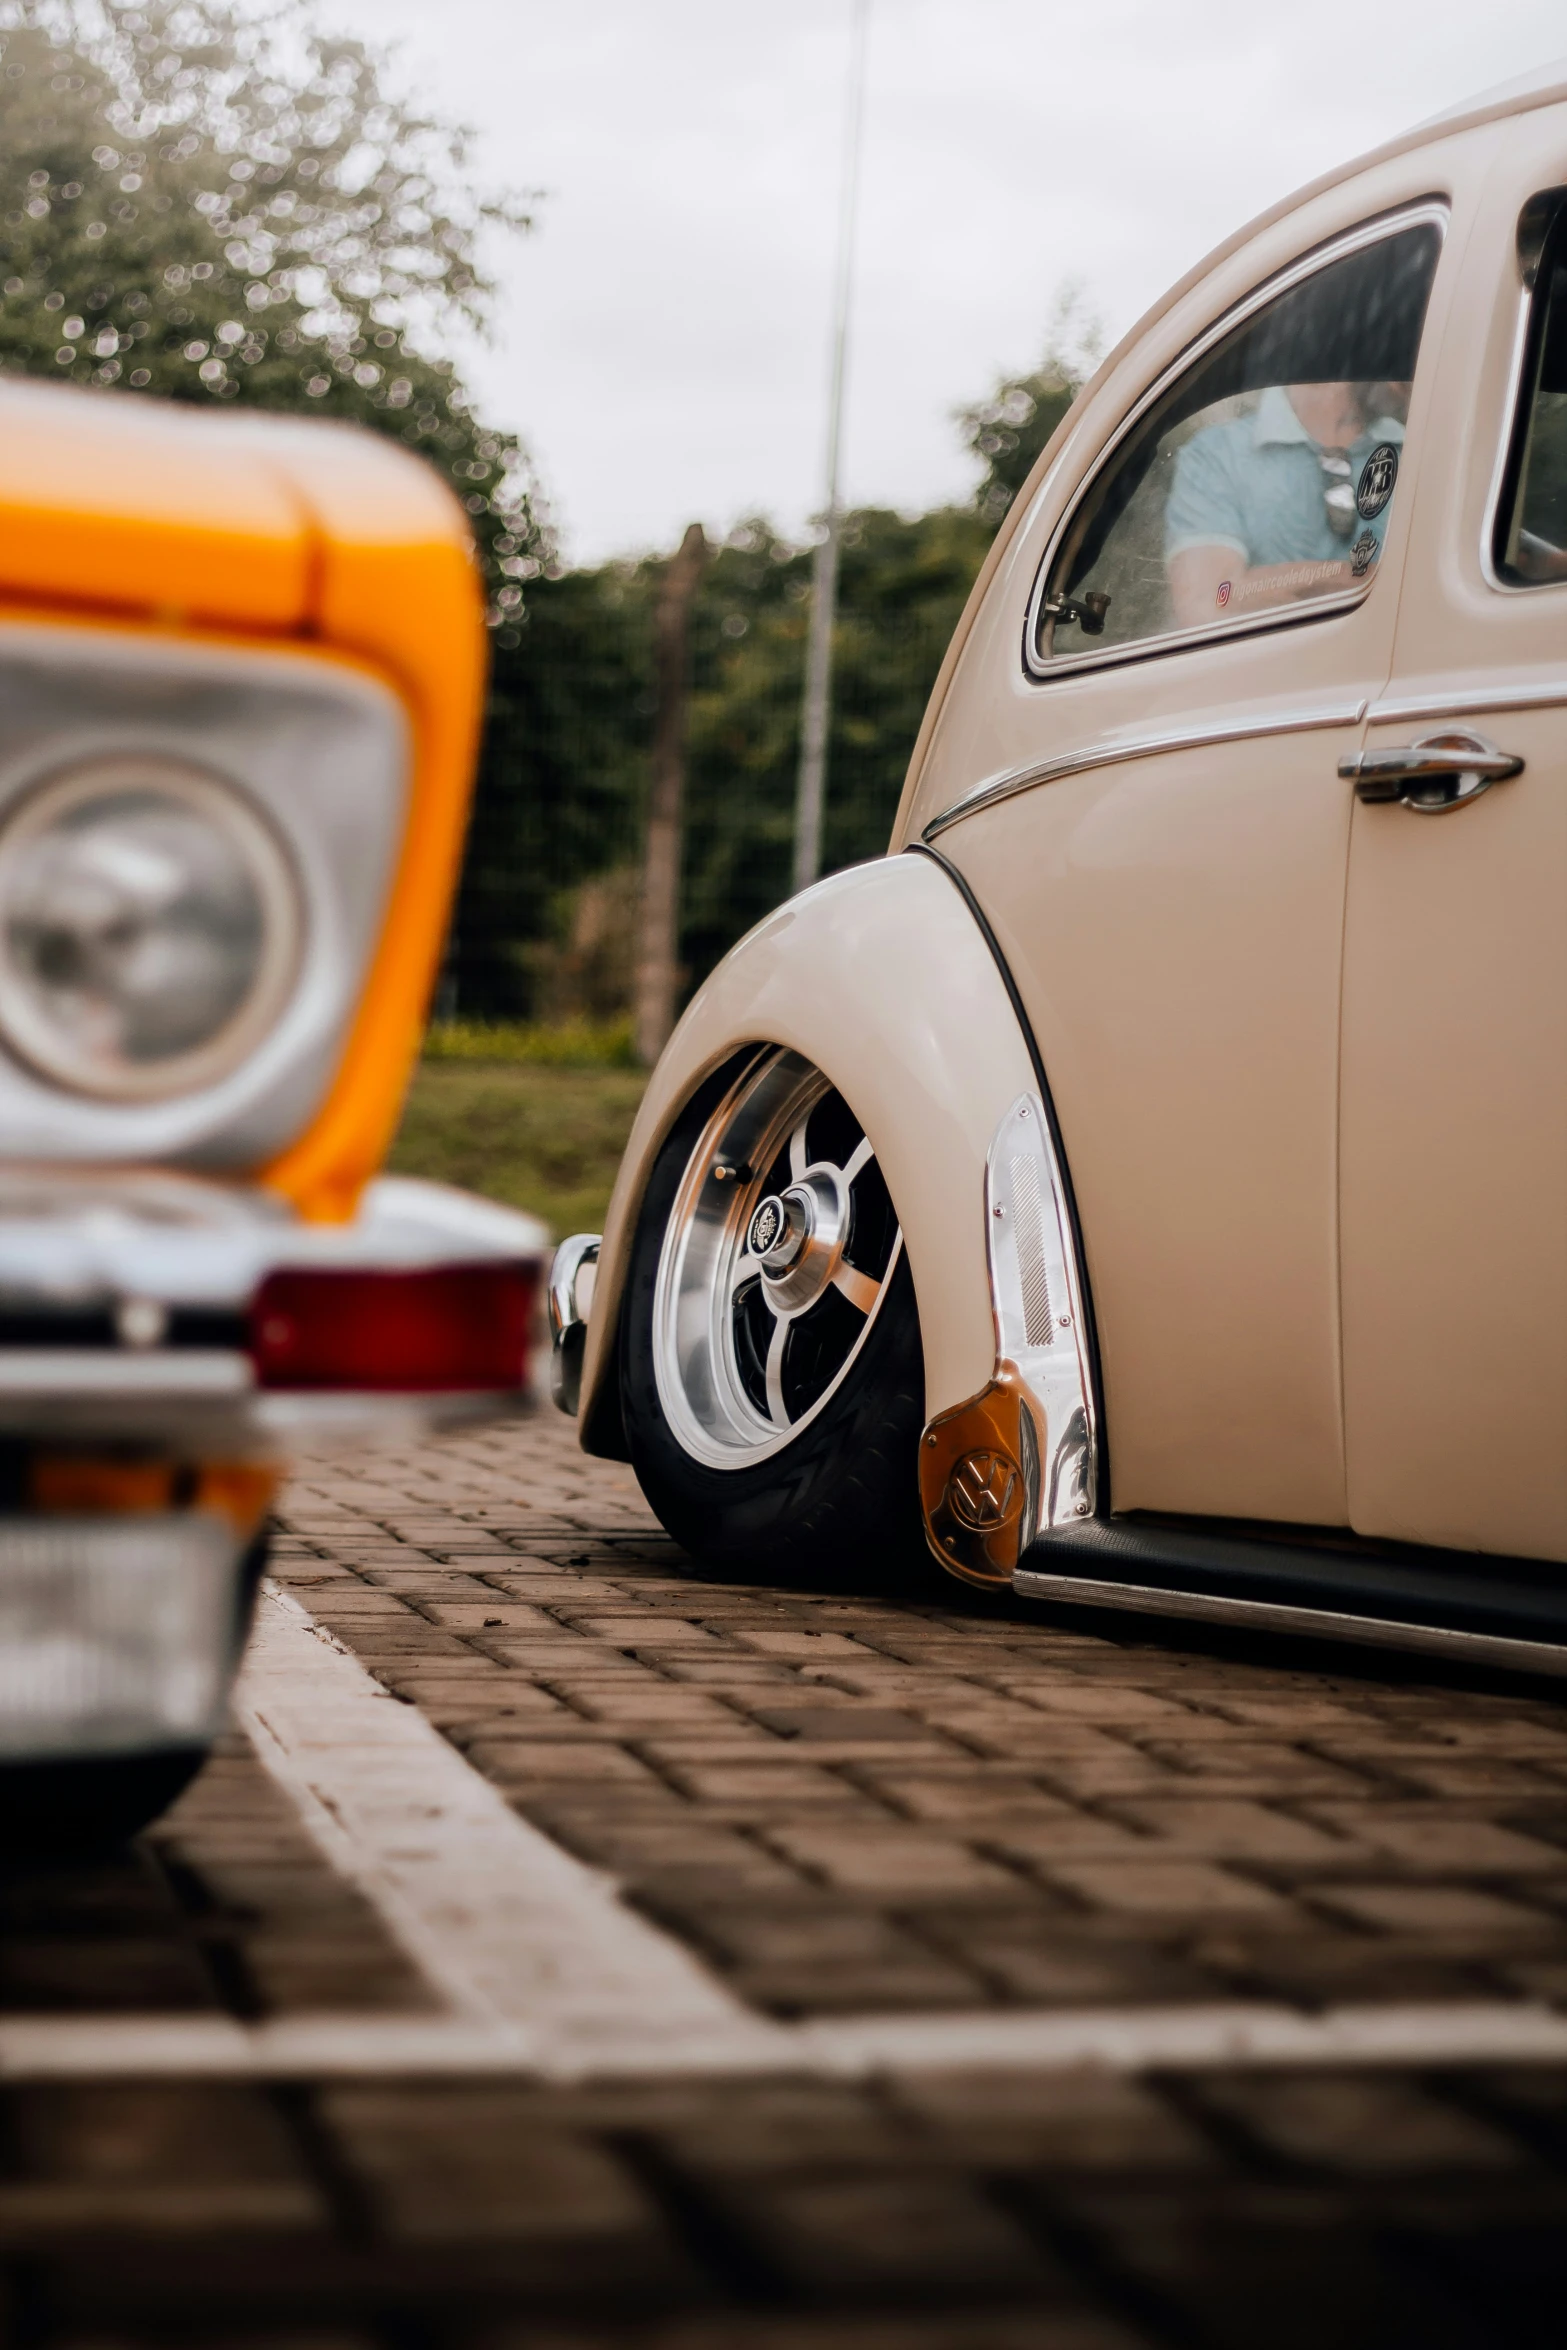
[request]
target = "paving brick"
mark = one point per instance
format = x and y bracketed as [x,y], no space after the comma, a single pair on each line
[1359,2123]
[1182,1888]
[1438,1843]
[1063,2122]
[1233,1828]
[1431,1909]
[165,2159]
[908,1862]
[840,2232]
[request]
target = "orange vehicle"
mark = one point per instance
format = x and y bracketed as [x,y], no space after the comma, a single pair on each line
[240,676]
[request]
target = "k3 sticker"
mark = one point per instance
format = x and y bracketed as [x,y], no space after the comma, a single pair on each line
[1363,554]
[1377,477]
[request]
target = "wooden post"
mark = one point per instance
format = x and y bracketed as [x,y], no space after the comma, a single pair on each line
[658,939]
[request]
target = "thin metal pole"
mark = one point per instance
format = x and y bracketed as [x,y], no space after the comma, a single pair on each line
[824,570]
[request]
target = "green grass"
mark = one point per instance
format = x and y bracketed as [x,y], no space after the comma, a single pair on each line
[557,1044]
[545,1138]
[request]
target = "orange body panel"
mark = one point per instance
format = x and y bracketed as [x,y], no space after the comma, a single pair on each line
[242,526]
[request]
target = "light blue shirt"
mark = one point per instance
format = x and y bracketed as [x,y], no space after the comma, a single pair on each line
[1253,483]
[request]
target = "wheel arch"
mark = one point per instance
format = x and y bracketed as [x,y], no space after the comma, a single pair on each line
[883,978]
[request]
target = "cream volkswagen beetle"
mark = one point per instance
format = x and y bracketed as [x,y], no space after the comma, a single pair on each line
[1152,1175]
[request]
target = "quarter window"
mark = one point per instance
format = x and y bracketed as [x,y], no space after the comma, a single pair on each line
[1531,529]
[1262,479]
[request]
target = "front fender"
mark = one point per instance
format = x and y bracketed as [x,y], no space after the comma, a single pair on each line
[881,977]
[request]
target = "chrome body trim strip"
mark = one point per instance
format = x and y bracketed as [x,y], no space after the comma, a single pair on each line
[88,1372]
[239,1421]
[1434,210]
[1040,1324]
[1488,1648]
[70,1238]
[1020,779]
[1550,694]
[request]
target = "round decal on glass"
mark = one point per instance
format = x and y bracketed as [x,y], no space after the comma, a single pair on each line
[1377,477]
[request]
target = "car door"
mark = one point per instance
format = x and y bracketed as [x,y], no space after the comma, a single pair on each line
[1163,854]
[1455,981]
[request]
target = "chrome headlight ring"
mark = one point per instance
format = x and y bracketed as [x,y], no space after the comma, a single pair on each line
[151,927]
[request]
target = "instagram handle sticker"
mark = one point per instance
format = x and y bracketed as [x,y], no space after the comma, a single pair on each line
[1223,595]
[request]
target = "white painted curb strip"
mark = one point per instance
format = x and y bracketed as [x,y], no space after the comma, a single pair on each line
[518,1938]
[543,1973]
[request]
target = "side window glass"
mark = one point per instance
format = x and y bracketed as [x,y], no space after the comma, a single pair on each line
[1263,478]
[1531,527]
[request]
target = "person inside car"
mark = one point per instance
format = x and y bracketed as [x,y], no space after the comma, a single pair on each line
[1286,503]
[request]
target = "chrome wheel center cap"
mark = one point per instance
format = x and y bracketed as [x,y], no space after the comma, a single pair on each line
[796,1237]
[780,1228]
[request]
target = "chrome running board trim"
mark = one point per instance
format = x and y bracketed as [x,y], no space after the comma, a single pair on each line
[1503,1611]
[1532,1656]
[1013,780]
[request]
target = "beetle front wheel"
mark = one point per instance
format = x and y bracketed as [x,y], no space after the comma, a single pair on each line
[771,1370]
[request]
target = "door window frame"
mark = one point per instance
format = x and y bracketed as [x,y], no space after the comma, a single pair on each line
[1542,233]
[1433,209]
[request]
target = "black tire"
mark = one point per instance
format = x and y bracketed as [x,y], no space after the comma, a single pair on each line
[61,1810]
[842,1498]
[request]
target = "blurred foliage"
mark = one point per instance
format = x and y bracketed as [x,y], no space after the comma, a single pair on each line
[548,1140]
[1007,431]
[538,1044]
[220,203]
[560,798]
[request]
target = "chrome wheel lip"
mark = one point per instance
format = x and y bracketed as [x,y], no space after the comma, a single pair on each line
[705,1260]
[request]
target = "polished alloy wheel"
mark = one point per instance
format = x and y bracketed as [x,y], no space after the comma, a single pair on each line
[776,1258]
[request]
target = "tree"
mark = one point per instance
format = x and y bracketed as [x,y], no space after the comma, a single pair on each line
[217,202]
[563,789]
[1007,431]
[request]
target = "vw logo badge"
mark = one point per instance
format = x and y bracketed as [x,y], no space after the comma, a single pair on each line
[983,1491]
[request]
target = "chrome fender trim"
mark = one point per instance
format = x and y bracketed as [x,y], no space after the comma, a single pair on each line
[1021,1458]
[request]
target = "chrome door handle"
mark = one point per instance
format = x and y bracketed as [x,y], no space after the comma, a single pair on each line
[1439,772]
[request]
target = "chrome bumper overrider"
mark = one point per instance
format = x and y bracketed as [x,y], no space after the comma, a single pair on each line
[126,1303]
[572,1274]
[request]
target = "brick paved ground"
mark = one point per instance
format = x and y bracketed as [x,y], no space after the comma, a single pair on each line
[845,1801]
[848,1801]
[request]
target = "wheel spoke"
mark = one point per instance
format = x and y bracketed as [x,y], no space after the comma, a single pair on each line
[745,1269]
[798,1161]
[861,1156]
[860,1290]
[775,1356]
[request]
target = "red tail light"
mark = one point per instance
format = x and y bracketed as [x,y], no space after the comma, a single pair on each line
[425,1332]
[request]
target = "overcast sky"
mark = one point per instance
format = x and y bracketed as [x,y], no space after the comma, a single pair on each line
[661,339]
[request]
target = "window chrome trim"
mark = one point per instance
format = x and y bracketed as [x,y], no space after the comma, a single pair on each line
[1432,209]
[1528,294]
[1013,780]
[1492,514]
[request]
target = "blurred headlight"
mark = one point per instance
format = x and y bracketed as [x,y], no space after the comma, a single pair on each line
[150,928]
